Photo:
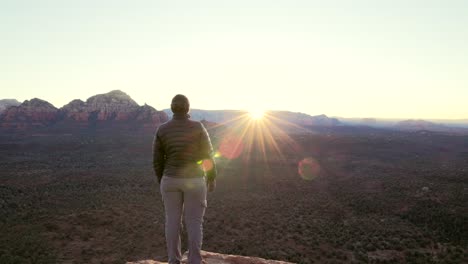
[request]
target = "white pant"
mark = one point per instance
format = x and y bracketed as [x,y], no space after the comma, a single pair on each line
[187,195]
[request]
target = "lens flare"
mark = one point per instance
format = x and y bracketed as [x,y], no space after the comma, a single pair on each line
[309,168]
[207,165]
[231,147]
[259,136]
[256,114]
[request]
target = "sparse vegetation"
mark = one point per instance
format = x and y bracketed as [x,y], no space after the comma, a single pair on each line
[92,198]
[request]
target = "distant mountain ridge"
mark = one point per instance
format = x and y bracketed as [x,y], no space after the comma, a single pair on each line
[418,125]
[115,107]
[293,118]
[118,108]
[441,125]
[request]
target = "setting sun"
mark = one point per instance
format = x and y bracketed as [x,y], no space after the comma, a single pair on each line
[256,114]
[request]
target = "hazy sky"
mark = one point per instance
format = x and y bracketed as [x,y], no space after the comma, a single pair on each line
[351,58]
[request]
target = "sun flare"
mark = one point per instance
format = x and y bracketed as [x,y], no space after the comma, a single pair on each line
[256,114]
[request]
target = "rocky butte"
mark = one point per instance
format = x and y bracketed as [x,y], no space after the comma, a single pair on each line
[31,113]
[5,103]
[115,108]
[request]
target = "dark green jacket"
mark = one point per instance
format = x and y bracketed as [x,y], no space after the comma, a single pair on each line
[180,147]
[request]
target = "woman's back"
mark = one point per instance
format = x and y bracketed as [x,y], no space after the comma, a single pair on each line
[184,143]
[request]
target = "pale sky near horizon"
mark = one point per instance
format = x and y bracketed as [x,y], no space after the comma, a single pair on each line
[355,58]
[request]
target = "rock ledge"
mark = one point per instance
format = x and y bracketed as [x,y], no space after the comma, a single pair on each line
[216,258]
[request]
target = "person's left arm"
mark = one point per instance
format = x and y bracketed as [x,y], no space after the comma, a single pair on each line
[158,156]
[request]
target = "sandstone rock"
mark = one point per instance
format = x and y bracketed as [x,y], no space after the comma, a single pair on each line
[115,105]
[150,117]
[216,258]
[148,113]
[75,110]
[102,110]
[31,113]
[5,103]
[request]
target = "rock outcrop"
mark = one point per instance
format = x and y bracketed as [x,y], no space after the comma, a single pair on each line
[5,103]
[31,113]
[216,258]
[102,110]
[148,113]
[75,110]
[115,105]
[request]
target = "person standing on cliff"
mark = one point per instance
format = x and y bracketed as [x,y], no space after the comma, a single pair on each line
[185,168]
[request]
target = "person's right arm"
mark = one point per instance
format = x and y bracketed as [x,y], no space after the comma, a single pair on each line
[207,154]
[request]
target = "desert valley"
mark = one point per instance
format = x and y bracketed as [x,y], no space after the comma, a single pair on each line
[77,186]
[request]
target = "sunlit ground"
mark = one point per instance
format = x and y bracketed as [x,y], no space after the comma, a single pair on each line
[259,136]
